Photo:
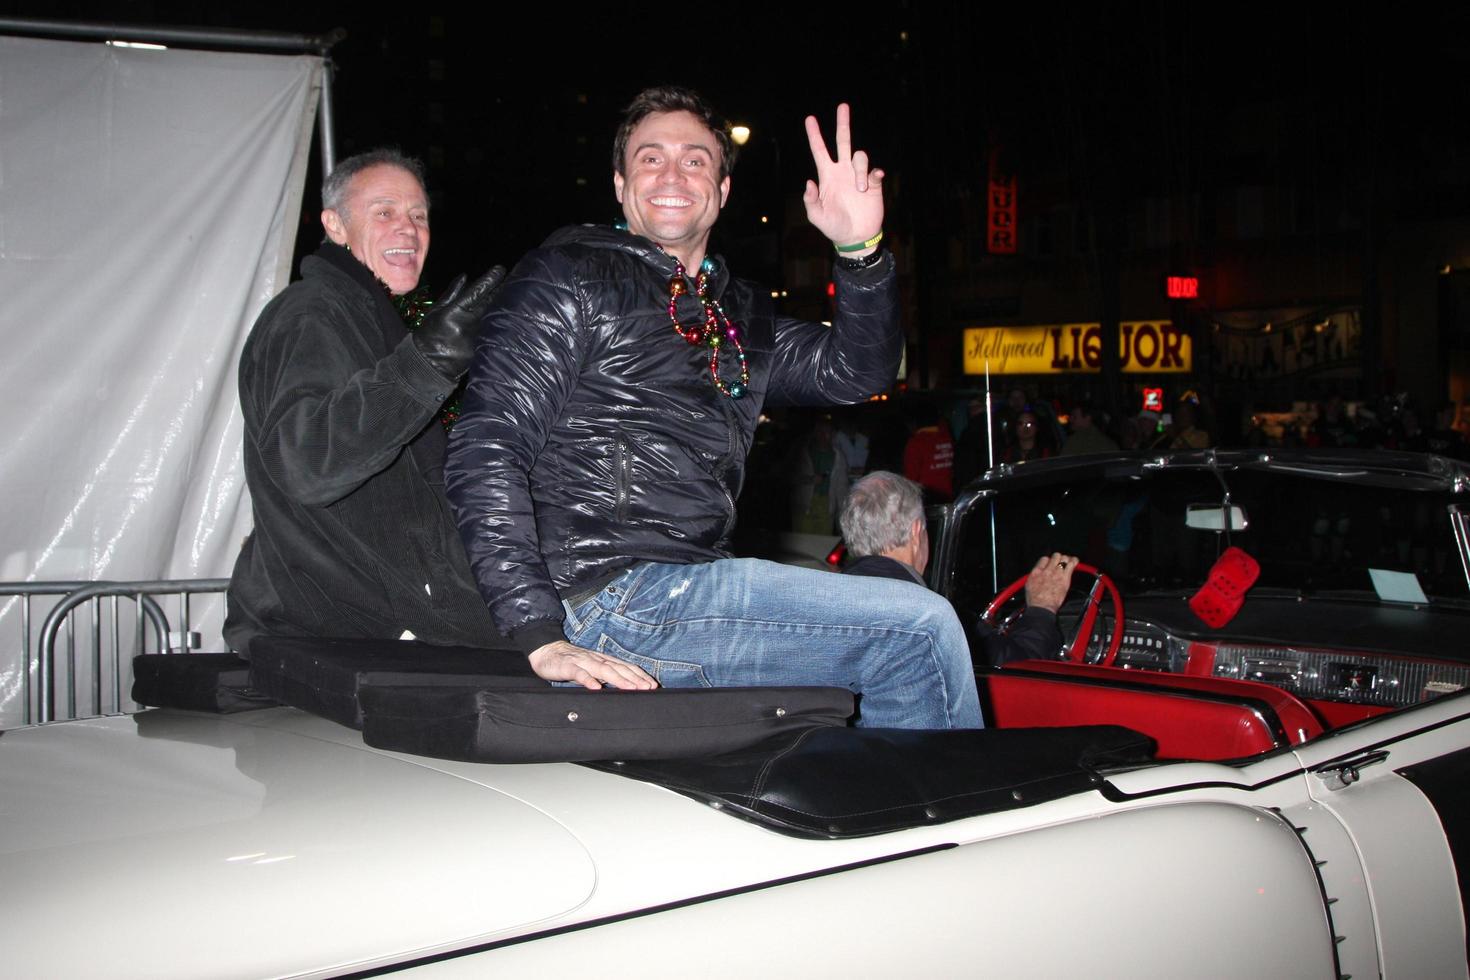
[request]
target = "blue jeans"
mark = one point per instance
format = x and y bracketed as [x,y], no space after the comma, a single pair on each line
[746,622]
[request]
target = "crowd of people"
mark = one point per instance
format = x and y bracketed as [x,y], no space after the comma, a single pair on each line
[805,461]
[1392,422]
[808,459]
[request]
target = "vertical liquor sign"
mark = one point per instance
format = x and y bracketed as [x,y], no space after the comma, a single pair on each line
[1000,198]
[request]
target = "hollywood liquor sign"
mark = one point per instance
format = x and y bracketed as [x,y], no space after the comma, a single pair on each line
[1144,347]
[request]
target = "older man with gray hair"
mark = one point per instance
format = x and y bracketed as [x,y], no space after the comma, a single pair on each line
[885,532]
[883,526]
[344,450]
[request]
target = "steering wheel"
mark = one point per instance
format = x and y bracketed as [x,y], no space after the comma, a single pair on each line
[1077,646]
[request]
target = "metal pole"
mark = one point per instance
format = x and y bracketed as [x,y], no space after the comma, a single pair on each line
[990,465]
[989,423]
[326,121]
[116,658]
[140,637]
[180,36]
[43,677]
[97,656]
[25,664]
[71,669]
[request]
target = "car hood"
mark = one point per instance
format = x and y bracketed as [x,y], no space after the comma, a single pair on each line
[207,815]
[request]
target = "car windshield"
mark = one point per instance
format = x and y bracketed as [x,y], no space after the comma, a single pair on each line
[1313,532]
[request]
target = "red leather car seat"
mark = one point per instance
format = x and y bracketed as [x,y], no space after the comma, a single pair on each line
[1189,717]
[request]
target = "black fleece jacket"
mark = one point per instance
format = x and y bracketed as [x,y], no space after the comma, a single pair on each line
[344,461]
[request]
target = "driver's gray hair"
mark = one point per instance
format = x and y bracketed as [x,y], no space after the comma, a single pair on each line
[879,513]
[334,188]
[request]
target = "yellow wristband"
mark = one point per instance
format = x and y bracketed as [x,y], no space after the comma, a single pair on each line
[861,245]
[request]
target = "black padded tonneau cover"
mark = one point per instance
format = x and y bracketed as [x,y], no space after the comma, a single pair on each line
[573,724]
[488,706]
[325,676]
[215,682]
[855,782]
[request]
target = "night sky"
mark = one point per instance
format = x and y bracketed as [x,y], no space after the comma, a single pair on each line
[1360,109]
[515,114]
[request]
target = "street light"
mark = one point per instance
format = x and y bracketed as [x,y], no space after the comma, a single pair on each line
[767,228]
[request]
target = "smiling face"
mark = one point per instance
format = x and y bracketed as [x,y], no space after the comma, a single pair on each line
[384,221]
[670,187]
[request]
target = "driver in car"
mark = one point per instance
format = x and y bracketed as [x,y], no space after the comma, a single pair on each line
[883,527]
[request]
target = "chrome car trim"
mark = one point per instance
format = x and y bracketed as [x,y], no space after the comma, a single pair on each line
[1343,774]
[1460,524]
[943,558]
[1113,794]
[1361,750]
[1328,901]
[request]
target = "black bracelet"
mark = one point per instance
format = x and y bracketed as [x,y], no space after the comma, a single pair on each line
[866,262]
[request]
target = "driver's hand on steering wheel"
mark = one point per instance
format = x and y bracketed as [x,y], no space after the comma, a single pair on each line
[1046,587]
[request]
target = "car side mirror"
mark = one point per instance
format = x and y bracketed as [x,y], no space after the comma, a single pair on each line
[1211,517]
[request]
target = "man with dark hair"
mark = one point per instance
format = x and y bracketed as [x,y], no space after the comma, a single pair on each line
[613,400]
[1087,435]
[669,98]
[343,453]
[886,536]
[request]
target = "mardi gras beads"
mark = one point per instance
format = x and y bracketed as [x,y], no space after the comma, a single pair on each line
[715,331]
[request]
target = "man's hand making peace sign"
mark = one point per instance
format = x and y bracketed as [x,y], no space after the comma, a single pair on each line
[845,202]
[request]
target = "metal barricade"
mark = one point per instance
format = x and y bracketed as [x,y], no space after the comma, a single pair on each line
[96,648]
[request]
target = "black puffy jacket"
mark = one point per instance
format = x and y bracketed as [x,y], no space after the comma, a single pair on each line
[591,436]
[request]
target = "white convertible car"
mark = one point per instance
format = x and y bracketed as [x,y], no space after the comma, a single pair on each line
[1281,794]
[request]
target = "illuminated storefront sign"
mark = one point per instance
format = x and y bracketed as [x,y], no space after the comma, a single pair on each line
[1000,203]
[1144,347]
[1255,345]
[1181,287]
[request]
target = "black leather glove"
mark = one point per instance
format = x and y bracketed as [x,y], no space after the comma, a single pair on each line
[446,338]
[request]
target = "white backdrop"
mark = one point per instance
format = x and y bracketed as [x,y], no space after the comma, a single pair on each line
[149,203]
